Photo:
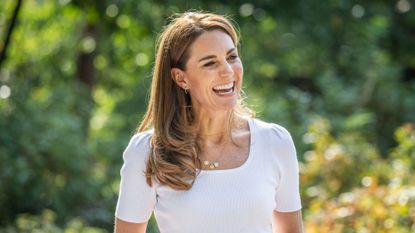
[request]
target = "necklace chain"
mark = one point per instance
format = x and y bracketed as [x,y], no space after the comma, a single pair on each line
[212,164]
[215,163]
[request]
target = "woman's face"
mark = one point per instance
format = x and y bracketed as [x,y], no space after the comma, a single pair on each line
[213,72]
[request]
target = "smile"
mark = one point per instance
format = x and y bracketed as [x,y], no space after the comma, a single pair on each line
[225,89]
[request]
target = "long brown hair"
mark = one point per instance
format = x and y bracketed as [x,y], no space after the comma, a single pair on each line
[173,158]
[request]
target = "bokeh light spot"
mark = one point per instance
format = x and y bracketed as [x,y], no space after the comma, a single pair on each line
[5,92]
[112,10]
[64,2]
[246,9]
[358,11]
[123,21]
[141,59]
[367,181]
[403,6]
[100,62]
[88,44]
[313,191]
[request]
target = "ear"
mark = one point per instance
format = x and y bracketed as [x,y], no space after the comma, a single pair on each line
[179,77]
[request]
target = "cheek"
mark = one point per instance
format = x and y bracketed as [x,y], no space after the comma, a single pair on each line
[238,69]
[201,87]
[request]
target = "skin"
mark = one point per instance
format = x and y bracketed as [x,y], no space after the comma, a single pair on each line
[129,227]
[290,222]
[214,61]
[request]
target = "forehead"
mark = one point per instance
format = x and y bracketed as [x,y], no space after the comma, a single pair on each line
[215,42]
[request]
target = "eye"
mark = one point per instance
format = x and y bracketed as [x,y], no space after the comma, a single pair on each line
[209,64]
[233,57]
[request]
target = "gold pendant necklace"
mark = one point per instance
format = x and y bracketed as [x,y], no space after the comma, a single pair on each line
[215,163]
[211,165]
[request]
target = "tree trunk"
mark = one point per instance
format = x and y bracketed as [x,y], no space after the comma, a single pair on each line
[86,76]
[3,53]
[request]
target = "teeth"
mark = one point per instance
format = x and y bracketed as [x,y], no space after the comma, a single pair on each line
[223,87]
[228,92]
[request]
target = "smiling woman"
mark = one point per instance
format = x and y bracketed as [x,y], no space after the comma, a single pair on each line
[213,73]
[200,160]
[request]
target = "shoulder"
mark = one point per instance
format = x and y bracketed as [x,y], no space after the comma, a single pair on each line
[139,147]
[141,139]
[272,131]
[277,145]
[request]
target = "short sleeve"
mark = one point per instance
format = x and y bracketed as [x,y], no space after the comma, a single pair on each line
[287,195]
[136,198]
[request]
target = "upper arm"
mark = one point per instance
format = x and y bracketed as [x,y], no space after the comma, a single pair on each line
[128,227]
[136,198]
[287,193]
[287,222]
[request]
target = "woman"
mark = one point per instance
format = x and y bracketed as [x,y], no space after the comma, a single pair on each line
[206,165]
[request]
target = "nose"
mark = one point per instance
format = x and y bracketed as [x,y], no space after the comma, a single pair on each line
[226,70]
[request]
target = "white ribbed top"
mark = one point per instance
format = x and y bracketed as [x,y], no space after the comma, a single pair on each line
[235,200]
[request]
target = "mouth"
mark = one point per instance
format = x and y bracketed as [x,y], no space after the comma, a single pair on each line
[224,90]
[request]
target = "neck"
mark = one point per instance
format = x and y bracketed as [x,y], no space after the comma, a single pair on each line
[214,128]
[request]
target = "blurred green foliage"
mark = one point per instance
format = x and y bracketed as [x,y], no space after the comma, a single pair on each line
[339,74]
[45,223]
[348,187]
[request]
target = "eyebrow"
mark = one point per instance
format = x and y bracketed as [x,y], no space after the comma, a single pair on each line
[213,56]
